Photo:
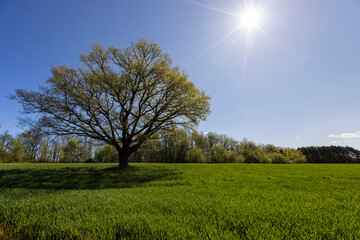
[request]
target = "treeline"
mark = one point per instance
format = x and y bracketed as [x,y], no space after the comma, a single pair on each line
[33,146]
[179,147]
[331,154]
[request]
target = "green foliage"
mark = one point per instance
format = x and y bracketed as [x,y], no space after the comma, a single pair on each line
[252,153]
[199,139]
[106,154]
[149,152]
[295,156]
[331,154]
[174,146]
[218,154]
[195,155]
[179,201]
[270,149]
[2,152]
[34,140]
[5,140]
[73,151]
[122,97]
[279,158]
[233,157]
[170,147]
[45,152]
[16,151]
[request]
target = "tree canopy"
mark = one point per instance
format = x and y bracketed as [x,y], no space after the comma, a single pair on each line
[120,96]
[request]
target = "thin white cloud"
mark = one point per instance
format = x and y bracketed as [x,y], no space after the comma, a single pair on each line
[346,135]
[335,142]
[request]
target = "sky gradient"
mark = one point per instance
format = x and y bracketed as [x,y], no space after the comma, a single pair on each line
[294,83]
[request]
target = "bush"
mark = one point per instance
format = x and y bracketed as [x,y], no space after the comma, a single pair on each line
[233,157]
[252,153]
[279,158]
[295,156]
[195,155]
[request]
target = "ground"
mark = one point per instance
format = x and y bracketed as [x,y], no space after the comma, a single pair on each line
[179,201]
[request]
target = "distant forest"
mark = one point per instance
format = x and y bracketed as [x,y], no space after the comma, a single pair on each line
[331,154]
[179,147]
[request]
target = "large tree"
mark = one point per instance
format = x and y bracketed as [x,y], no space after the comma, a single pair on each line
[120,96]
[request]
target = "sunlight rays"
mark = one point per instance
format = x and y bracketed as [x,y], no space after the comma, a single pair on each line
[250,19]
[212,8]
[213,46]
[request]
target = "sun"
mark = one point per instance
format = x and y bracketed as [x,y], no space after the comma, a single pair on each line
[250,19]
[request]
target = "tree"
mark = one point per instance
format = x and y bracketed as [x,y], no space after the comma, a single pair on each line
[5,140]
[56,150]
[44,151]
[217,154]
[199,140]
[252,153]
[195,155]
[106,154]
[121,96]
[17,150]
[32,139]
[174,146]
[73,151]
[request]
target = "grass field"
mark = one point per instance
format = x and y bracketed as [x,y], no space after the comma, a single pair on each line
[179,201]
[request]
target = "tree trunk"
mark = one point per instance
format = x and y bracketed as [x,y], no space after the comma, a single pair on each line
[123,159]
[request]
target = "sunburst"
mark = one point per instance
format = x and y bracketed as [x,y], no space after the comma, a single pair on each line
[249,20]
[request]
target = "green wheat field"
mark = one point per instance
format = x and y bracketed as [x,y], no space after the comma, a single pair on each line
[179,201]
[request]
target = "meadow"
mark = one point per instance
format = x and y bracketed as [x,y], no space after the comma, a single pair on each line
[180,201]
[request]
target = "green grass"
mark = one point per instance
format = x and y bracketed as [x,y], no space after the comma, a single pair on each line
[179,201]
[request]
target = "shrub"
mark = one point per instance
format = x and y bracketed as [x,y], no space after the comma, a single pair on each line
[252,153]
[279,158]
[195,155]
[295,156]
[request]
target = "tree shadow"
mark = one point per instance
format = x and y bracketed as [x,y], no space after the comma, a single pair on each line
[85,177]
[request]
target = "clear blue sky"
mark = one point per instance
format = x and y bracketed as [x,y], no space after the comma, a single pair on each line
[296,83]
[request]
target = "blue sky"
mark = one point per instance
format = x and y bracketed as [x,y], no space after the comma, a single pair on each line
[295,85]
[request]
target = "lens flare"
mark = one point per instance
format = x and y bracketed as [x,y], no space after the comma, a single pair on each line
[249,22]
[250,19]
